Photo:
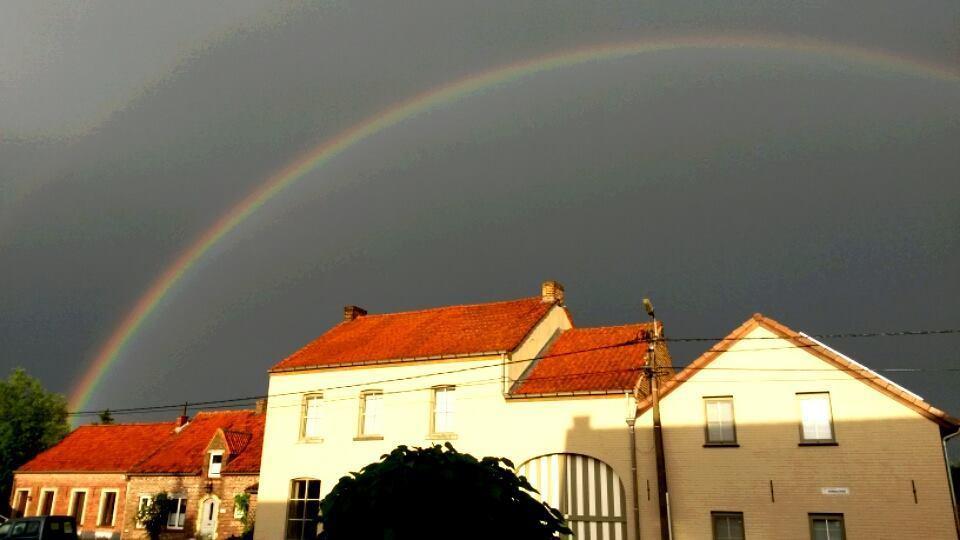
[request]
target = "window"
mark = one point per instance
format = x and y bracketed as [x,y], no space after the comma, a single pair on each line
[144,502]
[45,507]
[20,503]
[78,505]
[720,427]
[826,527]
[816,421]
[176,511]
[311,422]
[371,411]
[108,508]
[443,409]
[216,463]
[303,509]
[727,525]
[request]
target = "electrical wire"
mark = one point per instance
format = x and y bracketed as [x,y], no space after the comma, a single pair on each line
[237,402]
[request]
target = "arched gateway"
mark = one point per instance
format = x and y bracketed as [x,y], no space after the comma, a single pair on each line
[587,491]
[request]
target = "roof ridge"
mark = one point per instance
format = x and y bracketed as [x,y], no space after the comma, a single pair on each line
[438,308]
[170,422]
[228,411]
[608,326]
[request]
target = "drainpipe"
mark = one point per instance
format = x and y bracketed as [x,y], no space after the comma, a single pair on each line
[953,495]
[634,473]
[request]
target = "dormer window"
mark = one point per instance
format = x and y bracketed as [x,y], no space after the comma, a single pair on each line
[216,463]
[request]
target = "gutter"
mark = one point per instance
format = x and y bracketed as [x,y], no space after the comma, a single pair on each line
[950,486]
[387,361]
[577,393]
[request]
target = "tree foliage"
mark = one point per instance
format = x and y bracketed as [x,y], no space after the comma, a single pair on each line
[31,420]
[105,417]
[433,493]
[152,515]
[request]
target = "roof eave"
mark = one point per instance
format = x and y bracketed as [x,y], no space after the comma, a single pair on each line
[572,393]
[455,356]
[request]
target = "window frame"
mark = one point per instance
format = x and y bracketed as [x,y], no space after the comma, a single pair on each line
[142,497]
[734,443]
[434,392]
[304,409]
[101,507]
[26,500]
[832,441]
[305,499]
[813,516]
[83,510]
[714,514]
[53,501]
[181,511]
[211,454]
[362,433]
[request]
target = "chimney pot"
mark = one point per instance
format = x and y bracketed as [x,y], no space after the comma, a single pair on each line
[352,312]
[261,406]
[182,420]
[551,292]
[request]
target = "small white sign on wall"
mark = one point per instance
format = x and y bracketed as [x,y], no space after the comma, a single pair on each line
[835,491]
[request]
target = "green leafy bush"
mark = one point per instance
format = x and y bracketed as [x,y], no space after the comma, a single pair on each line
[433,493]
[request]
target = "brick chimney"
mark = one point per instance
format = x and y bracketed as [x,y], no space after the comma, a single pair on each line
[352,312]
[260,407]
[551,292]
[182,420]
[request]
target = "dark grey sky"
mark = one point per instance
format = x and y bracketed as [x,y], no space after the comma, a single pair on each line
[819,191]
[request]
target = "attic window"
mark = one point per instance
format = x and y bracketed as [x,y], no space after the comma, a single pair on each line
[216,463]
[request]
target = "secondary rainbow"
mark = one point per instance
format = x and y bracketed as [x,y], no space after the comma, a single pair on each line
[447,93]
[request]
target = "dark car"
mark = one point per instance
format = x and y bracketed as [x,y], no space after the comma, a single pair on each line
[40,528]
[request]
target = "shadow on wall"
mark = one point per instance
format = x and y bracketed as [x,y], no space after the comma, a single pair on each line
[767,472]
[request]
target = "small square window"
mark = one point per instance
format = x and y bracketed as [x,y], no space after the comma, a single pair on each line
[816,419]
[176,511]
[827,527]
[720,426]
[727,525]
[216,464]
[142,503]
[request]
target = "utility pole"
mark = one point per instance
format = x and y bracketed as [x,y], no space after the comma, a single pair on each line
[662,493]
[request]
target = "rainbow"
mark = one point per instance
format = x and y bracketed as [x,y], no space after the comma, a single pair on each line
[448,93]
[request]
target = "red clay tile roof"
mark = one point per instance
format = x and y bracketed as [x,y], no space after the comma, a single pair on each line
[597,360]
[105,448]
[445,331]
[867,376]
[184,452]
[248,460]
[236,441]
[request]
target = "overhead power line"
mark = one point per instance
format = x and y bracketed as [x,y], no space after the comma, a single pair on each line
[246,400]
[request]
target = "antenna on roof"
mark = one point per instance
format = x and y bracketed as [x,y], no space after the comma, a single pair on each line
[185,403]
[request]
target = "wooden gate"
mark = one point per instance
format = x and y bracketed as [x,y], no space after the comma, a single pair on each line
[587,491]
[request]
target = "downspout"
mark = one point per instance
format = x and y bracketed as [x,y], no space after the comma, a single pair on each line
[953,495]
[634,473]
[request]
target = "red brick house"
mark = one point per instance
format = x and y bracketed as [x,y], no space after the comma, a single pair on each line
[100,474]
[85,475]
[203,469]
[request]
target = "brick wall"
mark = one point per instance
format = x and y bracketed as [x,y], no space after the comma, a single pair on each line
[66,485]
[197,489]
